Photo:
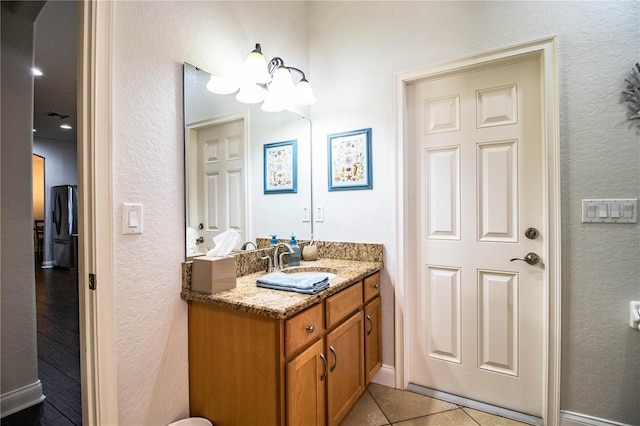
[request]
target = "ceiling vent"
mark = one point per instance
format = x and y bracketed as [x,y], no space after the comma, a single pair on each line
[56,114]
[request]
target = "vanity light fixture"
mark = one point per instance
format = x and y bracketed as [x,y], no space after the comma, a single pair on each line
[270,83]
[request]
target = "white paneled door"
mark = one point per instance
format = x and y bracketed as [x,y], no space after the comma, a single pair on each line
[476,316]
[221,179]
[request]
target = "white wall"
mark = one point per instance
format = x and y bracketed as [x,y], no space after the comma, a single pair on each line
[60,168]
[151,42]
[356,47]
[20,386]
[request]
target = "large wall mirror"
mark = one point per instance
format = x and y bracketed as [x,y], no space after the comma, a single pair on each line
[225,168]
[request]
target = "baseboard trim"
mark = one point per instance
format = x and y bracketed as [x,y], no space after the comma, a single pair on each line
[386,376]
[19,399]
[569,418]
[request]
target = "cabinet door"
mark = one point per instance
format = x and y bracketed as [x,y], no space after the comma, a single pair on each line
[345,356]
[372,338]
[305,391]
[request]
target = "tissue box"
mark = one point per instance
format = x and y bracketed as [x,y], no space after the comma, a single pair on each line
[213,274]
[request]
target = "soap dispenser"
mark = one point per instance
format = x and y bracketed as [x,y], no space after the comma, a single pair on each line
[294,256]
[274,241]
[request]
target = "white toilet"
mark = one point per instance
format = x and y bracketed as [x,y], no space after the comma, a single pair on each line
[192,421]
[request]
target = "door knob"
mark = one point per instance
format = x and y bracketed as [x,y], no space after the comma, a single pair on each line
[200,240]
[530,258]
[531,233]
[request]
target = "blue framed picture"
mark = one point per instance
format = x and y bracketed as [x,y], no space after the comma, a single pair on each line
[350,160]
[281,167]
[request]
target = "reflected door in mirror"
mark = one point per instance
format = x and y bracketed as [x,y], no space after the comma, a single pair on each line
[220,179]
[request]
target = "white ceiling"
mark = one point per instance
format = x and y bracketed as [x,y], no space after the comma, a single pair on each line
[56,55]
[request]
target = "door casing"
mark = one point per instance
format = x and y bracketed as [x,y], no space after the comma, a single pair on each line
[95,208]
[406,242]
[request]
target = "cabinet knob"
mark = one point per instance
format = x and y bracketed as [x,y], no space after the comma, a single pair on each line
[310,328]
[376,286]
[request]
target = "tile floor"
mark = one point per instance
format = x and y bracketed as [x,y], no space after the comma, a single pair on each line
[381,405]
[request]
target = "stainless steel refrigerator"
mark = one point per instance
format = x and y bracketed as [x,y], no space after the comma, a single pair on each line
[64,199]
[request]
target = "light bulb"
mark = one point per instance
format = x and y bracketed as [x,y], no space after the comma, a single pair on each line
[281,87]
[222,85]
[250,93]
[271,104]
[255,67]
[303,94]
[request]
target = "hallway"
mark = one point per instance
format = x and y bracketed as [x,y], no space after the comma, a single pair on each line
[58,351]
[59,344]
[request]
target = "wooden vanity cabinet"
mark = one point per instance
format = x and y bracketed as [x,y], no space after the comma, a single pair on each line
[309,369]
[306,375]
[345,356]
[235,366]
[373,321]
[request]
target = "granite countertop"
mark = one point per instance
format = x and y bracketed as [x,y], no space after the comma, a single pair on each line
[248,297]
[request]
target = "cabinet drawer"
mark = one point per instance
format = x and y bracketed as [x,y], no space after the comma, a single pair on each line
[303,328]
[340,305]
[371,286]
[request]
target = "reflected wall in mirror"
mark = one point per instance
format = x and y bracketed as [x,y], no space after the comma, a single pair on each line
[224,174]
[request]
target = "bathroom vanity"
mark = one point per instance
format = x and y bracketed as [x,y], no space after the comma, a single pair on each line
[269,357]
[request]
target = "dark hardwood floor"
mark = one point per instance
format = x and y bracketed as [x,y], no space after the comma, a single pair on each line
[58,351]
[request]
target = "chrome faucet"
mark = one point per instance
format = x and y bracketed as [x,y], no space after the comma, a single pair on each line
[245,245]
[277,262]
[269,264]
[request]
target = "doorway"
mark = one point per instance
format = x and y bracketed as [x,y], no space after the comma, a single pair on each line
[39,227]
[55,125]
[57,311]
[443,336]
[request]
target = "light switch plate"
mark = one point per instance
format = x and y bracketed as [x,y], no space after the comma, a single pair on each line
[609,210]
[131,218]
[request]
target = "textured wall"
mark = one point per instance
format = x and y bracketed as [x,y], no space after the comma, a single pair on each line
[18,353]
[151,42]
[601,262]
[355,49]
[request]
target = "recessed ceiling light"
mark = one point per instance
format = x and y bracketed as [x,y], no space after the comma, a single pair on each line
[36,71]
[66,127]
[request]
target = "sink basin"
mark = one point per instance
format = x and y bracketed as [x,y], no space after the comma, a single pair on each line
[310,274]
[311,270]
